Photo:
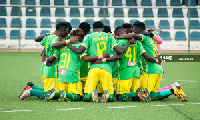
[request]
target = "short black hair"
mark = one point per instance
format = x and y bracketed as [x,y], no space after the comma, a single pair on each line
[118,29]
[107,29]
[70,27]
[139,24]
[98,24]
[127,25]
[85,27]
[62,25]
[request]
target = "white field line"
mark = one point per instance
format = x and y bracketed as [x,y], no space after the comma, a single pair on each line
[122,106]
[186,81]
[112,107]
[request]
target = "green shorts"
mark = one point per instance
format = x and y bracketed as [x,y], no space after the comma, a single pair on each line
[129,72]
[154,68]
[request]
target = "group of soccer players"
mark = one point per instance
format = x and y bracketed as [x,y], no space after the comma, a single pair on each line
[83,66]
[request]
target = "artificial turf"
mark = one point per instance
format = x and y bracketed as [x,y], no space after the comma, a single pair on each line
[17,69]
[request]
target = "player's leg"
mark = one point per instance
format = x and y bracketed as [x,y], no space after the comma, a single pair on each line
[169,87]
[176,90]
[48,84]
[161,94]
[151,82]
[143,80]
[115,83]
[33,90]
[62,87]
[75,91]
[157,82]
[83,80]
[99,89]
[123,89]
[91,83]
[107,85]
[135,84]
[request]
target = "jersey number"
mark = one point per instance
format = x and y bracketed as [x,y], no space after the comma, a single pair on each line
[128,54]
[100,51]
[67,57]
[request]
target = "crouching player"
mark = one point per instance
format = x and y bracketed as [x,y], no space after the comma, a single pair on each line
[69,82]
[153,70]
[129,72]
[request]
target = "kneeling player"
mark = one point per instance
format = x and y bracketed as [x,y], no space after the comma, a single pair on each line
[129,72]
[68,69]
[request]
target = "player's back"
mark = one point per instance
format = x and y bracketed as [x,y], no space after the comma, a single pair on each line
[131,56]
[67,58]
[68,65]
[150,46]
[97,44]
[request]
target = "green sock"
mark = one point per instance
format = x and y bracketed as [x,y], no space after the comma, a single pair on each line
[127,96]
[42,94]
[73,96]
[160,94]
[111,98]
[37,88]
[88,97]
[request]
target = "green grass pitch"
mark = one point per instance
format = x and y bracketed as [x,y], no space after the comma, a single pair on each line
[17,69]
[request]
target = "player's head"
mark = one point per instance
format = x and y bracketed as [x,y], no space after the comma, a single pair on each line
[63,29]
[138,27]
[98,26]
[85,27]
[78,33]
[119,31]
[107,29]
[127,27]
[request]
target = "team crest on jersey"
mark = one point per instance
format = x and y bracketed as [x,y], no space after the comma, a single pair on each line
[62,71]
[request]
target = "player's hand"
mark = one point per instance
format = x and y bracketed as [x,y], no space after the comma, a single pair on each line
[158,61]
[132,41]
[97,62]
[144,32]
[110,34]
[151,30]
[116,37]
[103,60]
[74,40]
[106,55]
[49,63]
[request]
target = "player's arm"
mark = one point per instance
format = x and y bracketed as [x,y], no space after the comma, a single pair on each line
[43,54]
[119,50]
[49,61]
[79,50]
[39,38]
[112,59]
[150,58]
[63,42]
[93,58]
[129,36]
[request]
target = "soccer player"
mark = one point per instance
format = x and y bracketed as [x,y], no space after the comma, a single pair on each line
[50,72]
[84,69]
[129,71]
[33,90]
[114,65]
[97,44]
[68,68]
[153,70]
[128,28]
